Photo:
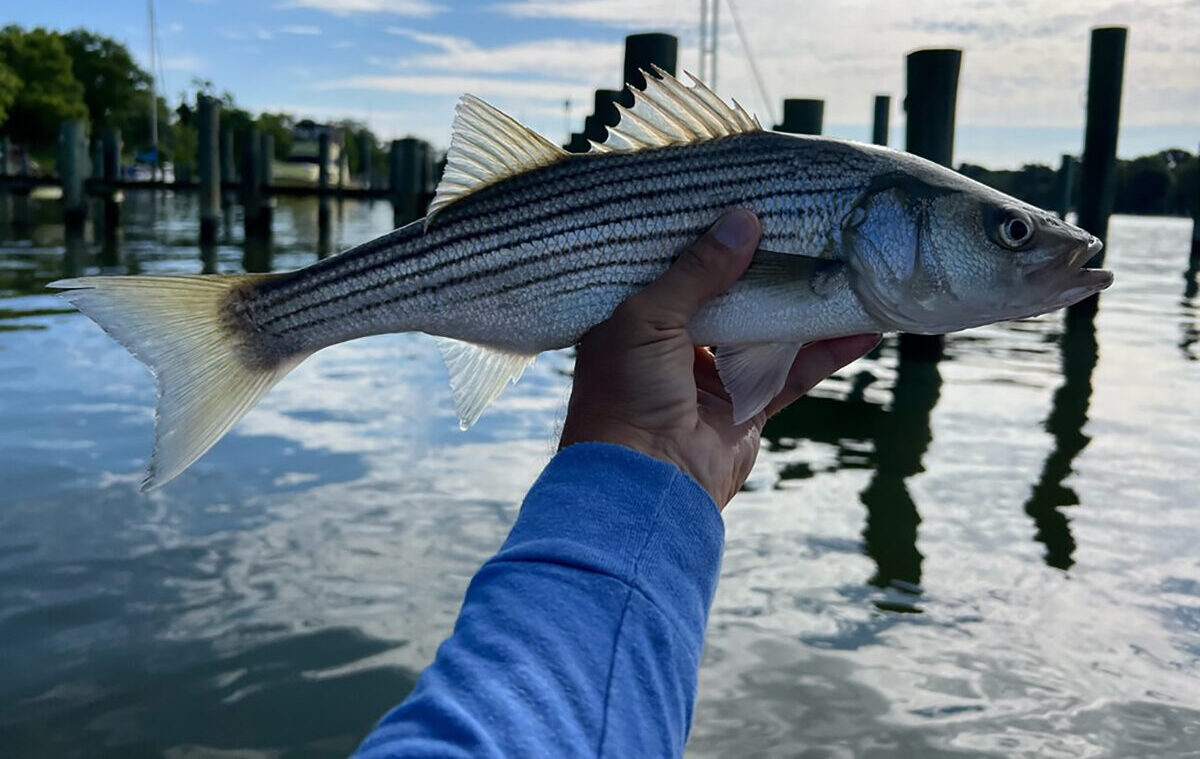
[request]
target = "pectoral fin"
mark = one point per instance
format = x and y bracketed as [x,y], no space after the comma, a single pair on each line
[754,374]
[478,374]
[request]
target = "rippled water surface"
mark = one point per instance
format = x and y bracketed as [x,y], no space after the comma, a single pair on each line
[995,555]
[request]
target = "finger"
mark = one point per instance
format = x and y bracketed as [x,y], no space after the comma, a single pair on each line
[707,378]
[706,268]
[817,361]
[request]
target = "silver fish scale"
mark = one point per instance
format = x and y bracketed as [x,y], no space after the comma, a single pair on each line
[533,261]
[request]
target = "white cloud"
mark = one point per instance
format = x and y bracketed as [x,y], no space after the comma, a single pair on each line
[1024,62]
[457,85]
[640,14]
[302,30]
[415,8]
[183,62]
[590,61]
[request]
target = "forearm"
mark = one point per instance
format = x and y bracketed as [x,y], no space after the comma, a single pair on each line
[582,636]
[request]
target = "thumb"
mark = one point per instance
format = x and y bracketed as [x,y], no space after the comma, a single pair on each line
[706,268]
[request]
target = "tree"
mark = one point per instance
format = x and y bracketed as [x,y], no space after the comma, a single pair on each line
[49,93]
[10,83]
[279,126]
[113,84]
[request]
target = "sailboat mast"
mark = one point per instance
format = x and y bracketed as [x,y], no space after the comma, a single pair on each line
[153,92]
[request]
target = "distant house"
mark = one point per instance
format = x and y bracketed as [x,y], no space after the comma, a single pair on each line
[302,166]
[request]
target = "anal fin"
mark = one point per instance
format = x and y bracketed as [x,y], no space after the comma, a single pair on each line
[478,374]
[754,374]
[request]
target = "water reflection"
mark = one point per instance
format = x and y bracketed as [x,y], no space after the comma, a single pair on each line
[891,443]
[1068,415]
[1188,317]
[890,535]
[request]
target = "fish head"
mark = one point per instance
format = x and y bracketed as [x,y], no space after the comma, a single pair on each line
[931,251]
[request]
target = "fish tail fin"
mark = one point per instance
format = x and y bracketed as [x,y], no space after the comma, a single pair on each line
[179,327]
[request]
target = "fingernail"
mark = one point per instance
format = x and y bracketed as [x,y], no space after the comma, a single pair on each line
[735,229]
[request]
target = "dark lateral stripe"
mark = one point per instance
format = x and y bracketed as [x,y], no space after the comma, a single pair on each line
[510,198]
[564,181]
[538,279]
[419,286]
[588,223]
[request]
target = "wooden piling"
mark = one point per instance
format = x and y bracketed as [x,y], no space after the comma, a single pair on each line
[110,252]
[1195,257]
[266,177]
[929,102]
[227,173]
[883,111]
[73,170]
[604,114]
[252,195]
[642,53]
[1066,184]
[5,196]
[802,116]
[1098,170]
[111,154]
[323,153]
[366,149]
[408,178]
[208,164]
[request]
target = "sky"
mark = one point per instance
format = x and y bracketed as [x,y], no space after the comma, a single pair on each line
[400,65]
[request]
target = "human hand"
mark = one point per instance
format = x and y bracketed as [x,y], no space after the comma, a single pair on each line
[641,383]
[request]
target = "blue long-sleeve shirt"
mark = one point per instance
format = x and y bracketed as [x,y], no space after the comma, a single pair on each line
[582,636]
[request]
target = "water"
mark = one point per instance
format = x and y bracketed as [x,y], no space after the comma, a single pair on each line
[993,556]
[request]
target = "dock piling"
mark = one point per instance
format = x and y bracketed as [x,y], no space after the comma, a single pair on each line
[323,153]
[1098,170]
[73,170]
[1066,184]
[802,116]
[252,195]
[266,178]
[644,51]
[208,165]
[409,176]
[879,127]
[366,147]
[931,81]
[110,251]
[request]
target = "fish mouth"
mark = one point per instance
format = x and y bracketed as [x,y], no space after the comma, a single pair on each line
[1069,277]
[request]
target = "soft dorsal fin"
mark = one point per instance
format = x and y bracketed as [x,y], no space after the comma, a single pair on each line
[668,112]
[487,145]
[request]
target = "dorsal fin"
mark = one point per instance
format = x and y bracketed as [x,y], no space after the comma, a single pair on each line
[487,145]
[668,112]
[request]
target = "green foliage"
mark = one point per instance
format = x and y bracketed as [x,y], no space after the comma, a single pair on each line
[10,83]
[279,126]
[1163,183]
[115,89]
[49,93]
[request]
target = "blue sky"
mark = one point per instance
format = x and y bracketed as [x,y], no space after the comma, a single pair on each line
[401,64]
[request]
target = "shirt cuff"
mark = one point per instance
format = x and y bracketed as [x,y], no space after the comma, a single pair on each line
[609,509]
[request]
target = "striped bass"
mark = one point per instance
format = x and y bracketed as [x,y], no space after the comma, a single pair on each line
[526,247]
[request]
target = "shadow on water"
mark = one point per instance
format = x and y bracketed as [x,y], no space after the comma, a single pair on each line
[191,698]
[1068,415]
[890,442]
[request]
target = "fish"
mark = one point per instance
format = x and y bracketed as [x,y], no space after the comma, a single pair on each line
[526,247]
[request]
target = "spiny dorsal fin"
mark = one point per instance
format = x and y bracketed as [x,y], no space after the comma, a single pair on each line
[668,112]
[487,145]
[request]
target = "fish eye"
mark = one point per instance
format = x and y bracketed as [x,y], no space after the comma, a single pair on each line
[1016,229]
